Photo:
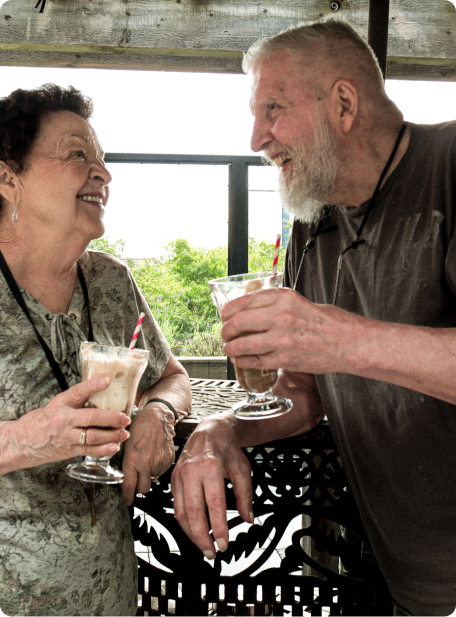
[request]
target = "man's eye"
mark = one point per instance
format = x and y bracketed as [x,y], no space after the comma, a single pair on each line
[80,154]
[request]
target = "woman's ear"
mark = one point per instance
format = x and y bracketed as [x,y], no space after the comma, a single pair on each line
[8,182]
[344,104]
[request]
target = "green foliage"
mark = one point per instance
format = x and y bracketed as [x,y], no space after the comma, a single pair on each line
[205,343]
[102,244]
[177,291]
[261,254]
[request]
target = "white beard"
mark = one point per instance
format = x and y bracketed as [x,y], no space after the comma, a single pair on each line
[304,191]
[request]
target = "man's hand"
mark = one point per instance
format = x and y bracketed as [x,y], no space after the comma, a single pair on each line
[211,455]
[278,328]
[149,451]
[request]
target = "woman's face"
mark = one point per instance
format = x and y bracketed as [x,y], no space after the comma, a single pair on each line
[65,183]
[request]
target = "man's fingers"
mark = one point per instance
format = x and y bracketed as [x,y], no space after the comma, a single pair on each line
[243,491]
[256,299]
[216,507]
[190,512]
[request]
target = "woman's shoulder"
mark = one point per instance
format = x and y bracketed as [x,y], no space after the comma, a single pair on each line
[95,259]
[98,266]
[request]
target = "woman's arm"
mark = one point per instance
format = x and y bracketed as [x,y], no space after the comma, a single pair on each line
[150,449]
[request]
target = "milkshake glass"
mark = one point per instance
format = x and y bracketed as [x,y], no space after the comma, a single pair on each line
[124,367]
[258,383]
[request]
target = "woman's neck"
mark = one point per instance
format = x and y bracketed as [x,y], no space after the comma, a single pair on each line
[45,267]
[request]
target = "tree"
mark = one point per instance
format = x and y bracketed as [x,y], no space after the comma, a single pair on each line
[177,291]
[103,244]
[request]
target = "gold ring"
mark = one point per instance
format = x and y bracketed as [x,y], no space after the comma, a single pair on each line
[154,478]
[82,439]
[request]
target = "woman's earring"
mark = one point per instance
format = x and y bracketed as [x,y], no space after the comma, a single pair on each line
[14,217]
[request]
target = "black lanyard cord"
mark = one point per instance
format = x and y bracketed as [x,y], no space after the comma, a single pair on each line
[356,240]
[9,278]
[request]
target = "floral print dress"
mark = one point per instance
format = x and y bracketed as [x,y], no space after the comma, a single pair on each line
[52,560]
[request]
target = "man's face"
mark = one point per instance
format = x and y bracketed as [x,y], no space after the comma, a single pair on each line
[292,130]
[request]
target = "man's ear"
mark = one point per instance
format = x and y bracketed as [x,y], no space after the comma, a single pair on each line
[344,105]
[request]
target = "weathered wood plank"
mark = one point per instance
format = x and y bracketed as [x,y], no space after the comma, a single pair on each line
[208,35]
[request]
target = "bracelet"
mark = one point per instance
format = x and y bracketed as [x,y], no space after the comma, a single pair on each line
[170,407]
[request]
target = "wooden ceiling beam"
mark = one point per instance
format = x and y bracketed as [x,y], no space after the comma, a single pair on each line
[210,35]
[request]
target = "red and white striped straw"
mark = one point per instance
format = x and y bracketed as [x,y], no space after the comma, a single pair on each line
[137,331]
[275,261]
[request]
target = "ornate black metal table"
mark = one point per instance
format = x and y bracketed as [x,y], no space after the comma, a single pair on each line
[306,553]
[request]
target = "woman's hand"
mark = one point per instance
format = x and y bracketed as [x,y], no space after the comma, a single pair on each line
[149,451]
[52,433]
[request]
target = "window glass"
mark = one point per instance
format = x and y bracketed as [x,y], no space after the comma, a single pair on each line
[151,205]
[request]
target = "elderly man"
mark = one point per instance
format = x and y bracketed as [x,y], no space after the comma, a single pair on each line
[365,331]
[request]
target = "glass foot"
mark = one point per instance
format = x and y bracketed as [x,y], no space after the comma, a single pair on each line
[95,471]
[261,406]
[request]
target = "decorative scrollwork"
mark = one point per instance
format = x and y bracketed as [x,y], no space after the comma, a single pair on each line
[299,482]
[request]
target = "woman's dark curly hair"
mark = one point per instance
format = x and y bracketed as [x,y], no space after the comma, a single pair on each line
[21,114]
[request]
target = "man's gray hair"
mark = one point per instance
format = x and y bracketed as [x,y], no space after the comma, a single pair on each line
[331,39]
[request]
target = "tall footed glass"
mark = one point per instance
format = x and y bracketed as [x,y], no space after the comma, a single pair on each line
[124,367]
[258,383]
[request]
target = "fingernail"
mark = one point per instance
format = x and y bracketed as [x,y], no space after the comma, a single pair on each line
[106,381]
[222,545]
[118,447]
[128,434]
[124,417]
[252,518]
[209,554]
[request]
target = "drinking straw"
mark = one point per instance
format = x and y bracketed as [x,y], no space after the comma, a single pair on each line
[275,261]
[137,331]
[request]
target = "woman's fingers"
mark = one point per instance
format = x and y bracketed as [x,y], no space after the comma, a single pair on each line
[98,437]
[78,395]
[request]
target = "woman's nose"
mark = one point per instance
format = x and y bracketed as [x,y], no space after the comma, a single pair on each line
[100,172]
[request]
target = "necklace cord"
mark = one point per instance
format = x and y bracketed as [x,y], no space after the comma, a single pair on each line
[14,288]
[356,240]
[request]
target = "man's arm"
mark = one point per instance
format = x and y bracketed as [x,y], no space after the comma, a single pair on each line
[214,453]
[150,448]
[280,328]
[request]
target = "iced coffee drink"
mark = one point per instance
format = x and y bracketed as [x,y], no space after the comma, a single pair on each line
[124,367]
[254,379]
[258,383]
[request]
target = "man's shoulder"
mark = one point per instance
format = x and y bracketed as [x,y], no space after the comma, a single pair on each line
[443,132]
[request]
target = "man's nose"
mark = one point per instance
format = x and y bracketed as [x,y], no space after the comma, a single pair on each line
[261,135]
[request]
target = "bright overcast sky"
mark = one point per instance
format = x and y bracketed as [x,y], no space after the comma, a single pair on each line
[189,113]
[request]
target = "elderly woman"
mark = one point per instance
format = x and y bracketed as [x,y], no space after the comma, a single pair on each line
[54,294]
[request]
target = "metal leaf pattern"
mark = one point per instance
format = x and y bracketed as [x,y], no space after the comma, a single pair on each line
[325,564]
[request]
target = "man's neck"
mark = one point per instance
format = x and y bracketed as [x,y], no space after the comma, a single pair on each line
[362,164]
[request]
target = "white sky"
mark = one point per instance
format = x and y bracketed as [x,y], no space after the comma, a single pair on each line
[189,113]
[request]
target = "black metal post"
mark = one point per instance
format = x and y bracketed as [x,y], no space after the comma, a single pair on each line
[378,30]
[238,227]
[238,201]
[238,218]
